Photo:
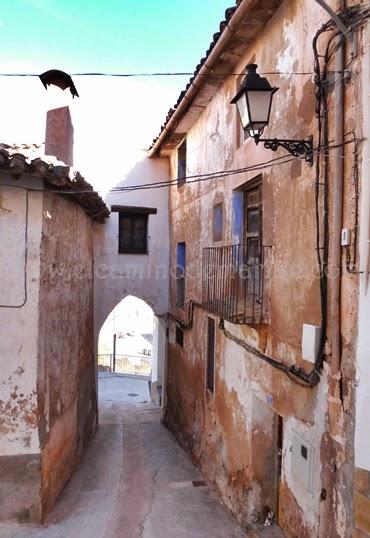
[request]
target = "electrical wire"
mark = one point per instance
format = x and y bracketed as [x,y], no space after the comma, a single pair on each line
[196,178]
[165,74]
[313,377]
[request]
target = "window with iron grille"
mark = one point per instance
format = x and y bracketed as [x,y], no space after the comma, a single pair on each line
[210,373]
[180,274]
[181,164]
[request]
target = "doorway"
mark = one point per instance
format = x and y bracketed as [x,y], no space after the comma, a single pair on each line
[267,453]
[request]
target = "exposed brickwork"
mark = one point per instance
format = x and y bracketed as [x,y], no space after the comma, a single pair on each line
[59,135]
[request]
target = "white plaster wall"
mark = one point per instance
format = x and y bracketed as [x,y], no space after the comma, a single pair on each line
[362,433]
[19,326]
[159,349]
[144,276]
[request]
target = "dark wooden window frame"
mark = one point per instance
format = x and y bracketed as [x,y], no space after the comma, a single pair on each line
[211,355]
[253,239]
[256,207]
[135,214]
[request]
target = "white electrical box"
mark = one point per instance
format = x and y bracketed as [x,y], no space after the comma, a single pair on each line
[346,237]
[311,336]
[303,461]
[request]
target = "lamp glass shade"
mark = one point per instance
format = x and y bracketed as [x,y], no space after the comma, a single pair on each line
[256,114]
[253,102]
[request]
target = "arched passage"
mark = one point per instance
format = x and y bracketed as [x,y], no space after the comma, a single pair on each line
[131,349]
[125,342]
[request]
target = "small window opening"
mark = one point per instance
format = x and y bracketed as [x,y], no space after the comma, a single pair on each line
[180,274]
[133,231]
[210,355]
[218,222]
[181,164]
[179,337]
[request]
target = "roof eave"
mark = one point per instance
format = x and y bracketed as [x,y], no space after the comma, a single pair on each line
[225,52]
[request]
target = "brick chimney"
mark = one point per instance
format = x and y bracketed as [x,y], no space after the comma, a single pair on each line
[59,135]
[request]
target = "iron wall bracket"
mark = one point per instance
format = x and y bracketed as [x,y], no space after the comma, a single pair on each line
[298,148]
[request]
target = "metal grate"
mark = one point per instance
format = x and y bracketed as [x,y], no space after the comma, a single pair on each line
[233,284]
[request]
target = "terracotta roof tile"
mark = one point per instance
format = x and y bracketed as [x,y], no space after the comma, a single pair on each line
[31,159]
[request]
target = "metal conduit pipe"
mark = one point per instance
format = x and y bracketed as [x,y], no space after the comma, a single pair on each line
[336,249]
[227,34]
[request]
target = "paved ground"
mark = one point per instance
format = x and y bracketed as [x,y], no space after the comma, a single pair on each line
[119,388]
[134,482]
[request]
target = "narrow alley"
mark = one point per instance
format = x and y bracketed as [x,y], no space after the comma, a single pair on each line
[185,269]
[134,481]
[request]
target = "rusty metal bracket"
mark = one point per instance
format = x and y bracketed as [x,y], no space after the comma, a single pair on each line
[298,148]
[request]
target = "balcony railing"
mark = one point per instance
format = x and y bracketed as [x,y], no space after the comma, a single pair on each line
[233,284]
[125,364]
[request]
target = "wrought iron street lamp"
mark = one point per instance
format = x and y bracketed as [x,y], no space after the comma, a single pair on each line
[253,102]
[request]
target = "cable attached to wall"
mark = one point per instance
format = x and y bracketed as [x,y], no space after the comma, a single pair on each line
[21,305]
[298,375]
[354,18]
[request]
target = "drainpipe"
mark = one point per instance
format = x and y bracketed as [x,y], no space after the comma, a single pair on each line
[336,250]
[227,34]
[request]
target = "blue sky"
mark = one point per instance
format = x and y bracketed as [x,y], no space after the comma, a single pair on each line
[112,35]
[116,114]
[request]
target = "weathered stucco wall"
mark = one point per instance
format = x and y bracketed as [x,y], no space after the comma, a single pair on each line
[20,238]
[47,382]
[66,370]
[231,433]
